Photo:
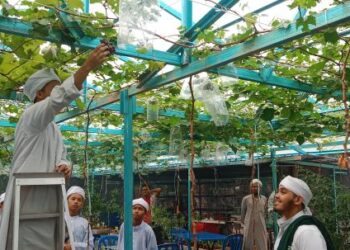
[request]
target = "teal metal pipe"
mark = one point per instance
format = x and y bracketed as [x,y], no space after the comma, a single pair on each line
[275,188]
[25,29]
[128,104]
[170,10]
[187,23]
[335,199]
[257,11]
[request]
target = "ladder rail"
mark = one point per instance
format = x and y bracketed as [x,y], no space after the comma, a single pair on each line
[62,216]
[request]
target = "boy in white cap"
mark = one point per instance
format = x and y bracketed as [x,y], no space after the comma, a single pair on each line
[298,229]
[39,148]
[143,235]
[253,216]
[83,238]
[2,199]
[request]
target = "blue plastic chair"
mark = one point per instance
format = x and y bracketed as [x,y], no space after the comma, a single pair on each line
[169,246]
[179,235]
[235,241]
[107,241]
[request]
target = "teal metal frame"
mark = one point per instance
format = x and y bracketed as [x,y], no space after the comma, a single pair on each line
[128,105]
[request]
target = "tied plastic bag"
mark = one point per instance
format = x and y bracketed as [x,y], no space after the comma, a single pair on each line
[221,153]
[152,110]
[137,22]
[215,104]
[198,82]
[206,91]
[176,147]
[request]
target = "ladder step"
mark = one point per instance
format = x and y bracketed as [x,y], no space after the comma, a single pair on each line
[39,216]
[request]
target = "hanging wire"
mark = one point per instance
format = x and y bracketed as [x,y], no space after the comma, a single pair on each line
[85,163]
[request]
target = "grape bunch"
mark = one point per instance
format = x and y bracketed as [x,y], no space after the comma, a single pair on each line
[111,48]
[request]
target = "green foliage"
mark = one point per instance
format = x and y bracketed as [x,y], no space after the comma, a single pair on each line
[167,220]
[286,115]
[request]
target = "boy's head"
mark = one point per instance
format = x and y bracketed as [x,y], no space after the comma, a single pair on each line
[76,199]
[139,209]
[40,84]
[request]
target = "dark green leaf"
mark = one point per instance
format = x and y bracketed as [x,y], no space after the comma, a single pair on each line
[331,36]
[267,114]
[300,139]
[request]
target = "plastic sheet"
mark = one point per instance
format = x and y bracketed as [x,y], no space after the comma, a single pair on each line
[137,22]
[176,146]
[206,91]
[221,153]
[152,109]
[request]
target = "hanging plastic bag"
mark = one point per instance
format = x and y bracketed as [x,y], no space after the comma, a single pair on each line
[216,107]
[221,153]
[137,22]
[176,142]
[152,109]
[198,81]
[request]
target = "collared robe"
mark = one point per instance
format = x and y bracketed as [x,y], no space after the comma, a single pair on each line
[253,217]
[82,233]
[143,237]
[39,148]
[306,237]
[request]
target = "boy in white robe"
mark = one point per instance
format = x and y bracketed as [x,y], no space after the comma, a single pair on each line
[39,148]
[143,235]
[83,238]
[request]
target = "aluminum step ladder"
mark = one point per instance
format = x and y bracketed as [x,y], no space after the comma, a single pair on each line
[61,216]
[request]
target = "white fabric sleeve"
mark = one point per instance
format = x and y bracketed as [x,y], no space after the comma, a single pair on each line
[152,241]
[120,245]
[308,237]
[40,114]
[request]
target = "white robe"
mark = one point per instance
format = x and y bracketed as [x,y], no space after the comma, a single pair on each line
[143,238]
[82,233]
[38,148]
[253,216]
[306,237]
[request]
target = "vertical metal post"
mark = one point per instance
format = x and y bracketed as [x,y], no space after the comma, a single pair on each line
[335,199]
[86,10]
[128,105]
[274,187]
[258,172]
[187,23]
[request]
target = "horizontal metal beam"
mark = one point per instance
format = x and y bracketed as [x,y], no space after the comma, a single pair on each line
[257,11]
[272,80]
[314,164]
[25,29]
[191,34]
[71,128]
[170,10]
[329,18]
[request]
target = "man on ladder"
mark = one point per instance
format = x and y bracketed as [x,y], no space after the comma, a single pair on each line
[39,148]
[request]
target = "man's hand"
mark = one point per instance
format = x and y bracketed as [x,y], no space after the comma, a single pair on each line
[67,246]
[65,169]
[96,58]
